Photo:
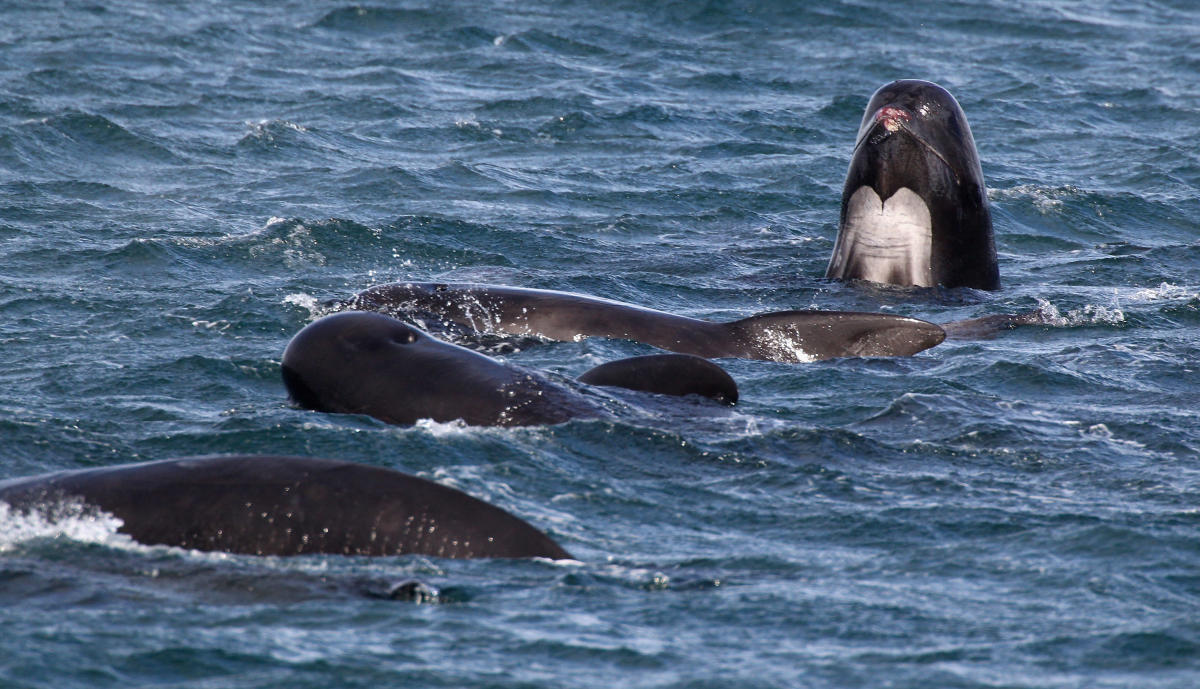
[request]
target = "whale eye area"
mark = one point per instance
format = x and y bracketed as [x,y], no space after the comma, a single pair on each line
[404,337]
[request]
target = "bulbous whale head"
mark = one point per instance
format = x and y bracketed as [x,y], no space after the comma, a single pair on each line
[357,362]
[914,205]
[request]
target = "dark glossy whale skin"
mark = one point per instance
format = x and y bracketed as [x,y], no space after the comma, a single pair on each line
[914,136]
[358,362]
[278,505]
[789,336]
[666,374]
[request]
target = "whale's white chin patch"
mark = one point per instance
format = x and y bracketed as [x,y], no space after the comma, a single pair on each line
[885,241]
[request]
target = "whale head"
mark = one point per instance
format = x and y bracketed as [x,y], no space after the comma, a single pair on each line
[914,205]
[357,362]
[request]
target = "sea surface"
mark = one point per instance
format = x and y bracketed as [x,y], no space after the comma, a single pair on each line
[183,183]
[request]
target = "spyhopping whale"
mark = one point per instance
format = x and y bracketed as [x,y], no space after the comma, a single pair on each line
[914,205]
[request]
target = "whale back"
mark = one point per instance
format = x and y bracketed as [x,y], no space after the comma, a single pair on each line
[816,335]
[790,336]
[666,374]
[274,505]
[465,308]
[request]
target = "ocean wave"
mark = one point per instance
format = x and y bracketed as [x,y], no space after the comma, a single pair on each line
[90,138]
[360,18]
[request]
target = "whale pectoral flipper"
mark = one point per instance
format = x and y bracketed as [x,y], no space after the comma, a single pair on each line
[666,374]
[814,335]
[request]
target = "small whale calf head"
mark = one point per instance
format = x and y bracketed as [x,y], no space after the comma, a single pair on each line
[914,205]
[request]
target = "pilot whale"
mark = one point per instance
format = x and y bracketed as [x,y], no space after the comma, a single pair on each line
[914,205]
[789,336]
[361,362]
[278,505]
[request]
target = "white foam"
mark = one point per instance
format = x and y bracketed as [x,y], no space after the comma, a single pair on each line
[262,128]
[1045,199]
[71,520]
[443,429]
[784,348]
[295,246]
[219,326]
[304,301]
[568,562]
[1101,431]
[1165,291]
[1088,314]
[471,123]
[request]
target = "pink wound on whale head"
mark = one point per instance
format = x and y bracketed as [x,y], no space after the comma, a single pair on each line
[892,118]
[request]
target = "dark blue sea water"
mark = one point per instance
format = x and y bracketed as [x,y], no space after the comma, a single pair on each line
[181,183]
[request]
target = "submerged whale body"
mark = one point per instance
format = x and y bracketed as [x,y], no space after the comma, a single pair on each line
[273,505]
[358,362]
[914,205]
[789,336]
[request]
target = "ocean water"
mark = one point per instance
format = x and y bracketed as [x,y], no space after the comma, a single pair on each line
[182,183]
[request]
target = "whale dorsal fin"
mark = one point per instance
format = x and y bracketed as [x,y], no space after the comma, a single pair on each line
[666,374]
[815,335]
